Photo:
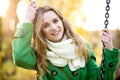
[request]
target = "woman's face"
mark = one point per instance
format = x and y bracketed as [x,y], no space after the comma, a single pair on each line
[52,26]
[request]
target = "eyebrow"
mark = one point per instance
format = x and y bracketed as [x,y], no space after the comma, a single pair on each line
[47,22]
[55,18]
[44,24]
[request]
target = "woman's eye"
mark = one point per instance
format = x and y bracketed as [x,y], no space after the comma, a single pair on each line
[55,21]
[45,26]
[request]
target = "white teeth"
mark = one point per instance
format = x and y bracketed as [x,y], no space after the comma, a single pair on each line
[56,33]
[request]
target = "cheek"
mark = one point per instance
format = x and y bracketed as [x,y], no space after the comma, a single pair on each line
[62,27]
[45,32]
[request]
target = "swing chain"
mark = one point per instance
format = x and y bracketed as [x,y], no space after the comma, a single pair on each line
[106,22]
[107,14]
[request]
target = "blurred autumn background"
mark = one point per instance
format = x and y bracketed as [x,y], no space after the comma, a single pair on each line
[86,16]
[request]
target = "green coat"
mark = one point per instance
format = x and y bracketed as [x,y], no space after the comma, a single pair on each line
[24,56]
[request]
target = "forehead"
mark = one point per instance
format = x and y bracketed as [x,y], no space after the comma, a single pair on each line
[49,15]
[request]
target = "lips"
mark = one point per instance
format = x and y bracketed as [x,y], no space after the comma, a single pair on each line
[56,33]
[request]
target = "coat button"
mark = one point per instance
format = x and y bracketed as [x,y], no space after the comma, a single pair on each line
[21,32]
[54,72]
[74,73]
[111,64]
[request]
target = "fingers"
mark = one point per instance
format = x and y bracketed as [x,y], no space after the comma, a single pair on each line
[106,31]
[106,37]
[32,0]
[31,11]
[33,4]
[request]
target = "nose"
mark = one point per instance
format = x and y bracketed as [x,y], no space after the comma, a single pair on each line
[53,26]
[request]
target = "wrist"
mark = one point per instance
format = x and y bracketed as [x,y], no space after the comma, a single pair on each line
[109,47]
[27,21]
[22,22]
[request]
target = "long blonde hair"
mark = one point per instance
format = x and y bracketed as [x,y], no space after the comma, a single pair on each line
[39,39]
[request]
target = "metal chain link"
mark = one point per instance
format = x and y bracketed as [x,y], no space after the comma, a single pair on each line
[106,22]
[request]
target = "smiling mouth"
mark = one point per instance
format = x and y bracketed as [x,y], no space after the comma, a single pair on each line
[56,33]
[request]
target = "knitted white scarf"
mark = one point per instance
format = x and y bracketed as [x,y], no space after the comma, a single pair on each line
[63,53]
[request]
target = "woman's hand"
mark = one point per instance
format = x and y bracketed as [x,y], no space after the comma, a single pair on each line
[31,12]
[106,37]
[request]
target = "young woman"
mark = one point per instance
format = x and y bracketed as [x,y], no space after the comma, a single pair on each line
[56,52]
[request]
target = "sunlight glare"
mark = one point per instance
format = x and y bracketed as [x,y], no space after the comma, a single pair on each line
[4,4]
[95,14]
[21,10]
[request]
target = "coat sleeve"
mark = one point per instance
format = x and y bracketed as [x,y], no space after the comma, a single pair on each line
[22,51]
[111,62]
